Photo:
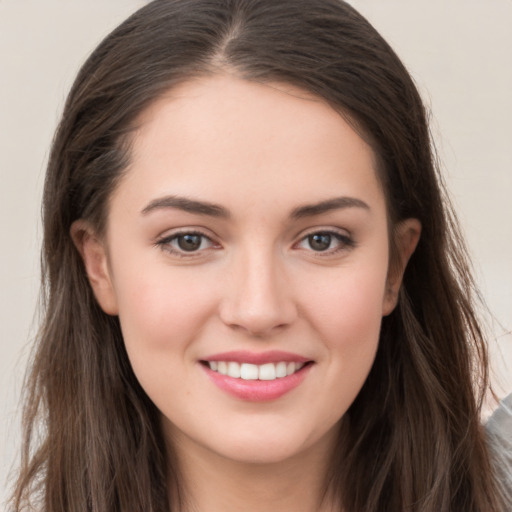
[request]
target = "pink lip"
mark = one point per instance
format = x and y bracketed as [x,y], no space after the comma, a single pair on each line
[271,356]
[256,390]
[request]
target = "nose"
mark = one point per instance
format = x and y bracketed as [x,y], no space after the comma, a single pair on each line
[259,298]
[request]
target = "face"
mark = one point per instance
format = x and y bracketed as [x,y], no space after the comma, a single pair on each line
[246,255]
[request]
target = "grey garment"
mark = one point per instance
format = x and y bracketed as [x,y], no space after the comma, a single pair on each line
[499,437]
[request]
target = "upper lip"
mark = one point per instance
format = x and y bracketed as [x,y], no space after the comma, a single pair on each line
[271,356]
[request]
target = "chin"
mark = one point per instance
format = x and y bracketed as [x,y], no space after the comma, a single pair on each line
[262,452]
[270,447]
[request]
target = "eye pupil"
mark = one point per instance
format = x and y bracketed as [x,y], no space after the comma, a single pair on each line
[319,241]
[189,242]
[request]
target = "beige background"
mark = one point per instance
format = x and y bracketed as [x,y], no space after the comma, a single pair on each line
[459,52]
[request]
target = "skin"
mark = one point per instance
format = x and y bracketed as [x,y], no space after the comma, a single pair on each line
[255,283]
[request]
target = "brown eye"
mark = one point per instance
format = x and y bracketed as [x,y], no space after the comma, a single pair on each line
[186,244]
[320,241]
[327,242]
[189,242]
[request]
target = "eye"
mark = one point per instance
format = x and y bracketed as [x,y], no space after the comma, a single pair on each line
[186,242]
[320,241]
[189,242]
[326,242]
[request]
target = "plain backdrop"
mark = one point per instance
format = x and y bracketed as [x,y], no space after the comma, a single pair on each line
[458,51]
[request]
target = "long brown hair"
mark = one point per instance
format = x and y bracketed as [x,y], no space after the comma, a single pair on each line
[412,439]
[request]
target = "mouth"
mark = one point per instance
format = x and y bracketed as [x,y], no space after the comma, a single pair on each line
[249,371]
[257,377]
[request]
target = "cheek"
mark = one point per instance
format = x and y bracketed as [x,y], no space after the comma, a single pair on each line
[162,312]
[348,303]
[161,316]
[346,312]
[348,318]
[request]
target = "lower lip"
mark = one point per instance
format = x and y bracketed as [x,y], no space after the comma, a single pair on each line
[257,390]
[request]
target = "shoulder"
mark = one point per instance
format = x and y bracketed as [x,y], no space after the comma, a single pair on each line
[499,437]
[499,425]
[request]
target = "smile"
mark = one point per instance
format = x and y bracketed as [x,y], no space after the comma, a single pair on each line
[248,371]
[257,377]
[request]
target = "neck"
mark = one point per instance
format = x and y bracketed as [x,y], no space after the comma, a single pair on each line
[212,483]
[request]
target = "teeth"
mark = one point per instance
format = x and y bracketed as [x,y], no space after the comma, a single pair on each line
[234,370]
[247,371]
[267,371]
[280,370]
[222,367]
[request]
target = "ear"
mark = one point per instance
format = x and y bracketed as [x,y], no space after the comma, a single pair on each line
[95,257]
[406,236]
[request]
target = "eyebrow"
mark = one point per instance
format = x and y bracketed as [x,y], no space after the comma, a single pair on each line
[214,210]
[187,205]
[336,203]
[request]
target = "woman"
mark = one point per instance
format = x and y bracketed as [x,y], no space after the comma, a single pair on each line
[256,296]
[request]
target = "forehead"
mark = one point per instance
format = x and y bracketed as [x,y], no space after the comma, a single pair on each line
[233,139]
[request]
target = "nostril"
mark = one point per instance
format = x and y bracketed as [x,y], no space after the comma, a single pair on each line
[257,323]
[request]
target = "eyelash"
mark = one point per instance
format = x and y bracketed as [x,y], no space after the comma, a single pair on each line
[165,243]
[345,242]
